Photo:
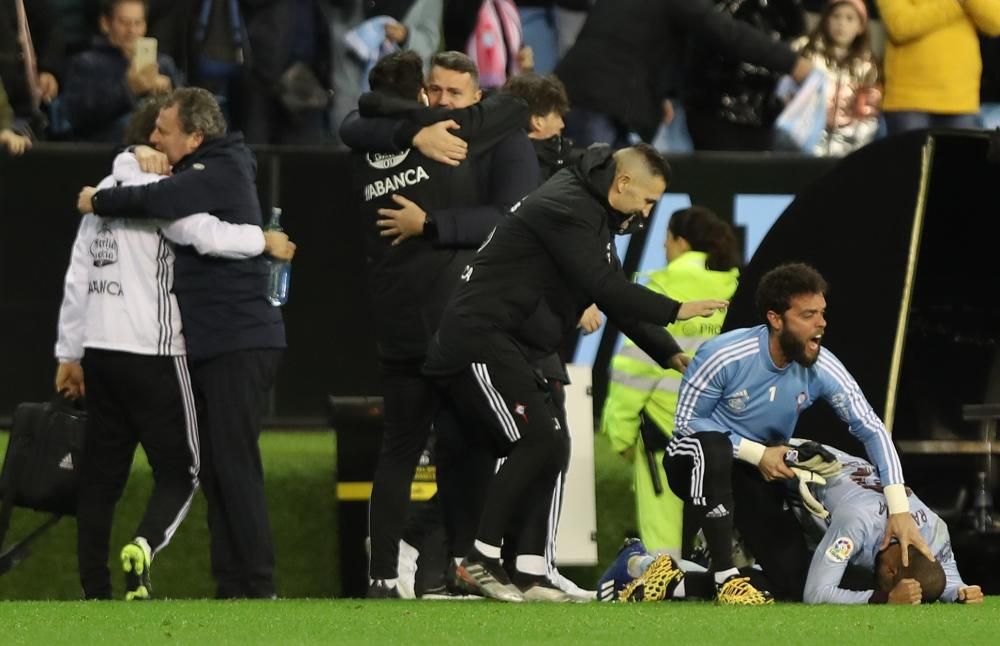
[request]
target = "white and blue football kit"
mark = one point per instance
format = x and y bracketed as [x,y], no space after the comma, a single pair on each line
[853,533]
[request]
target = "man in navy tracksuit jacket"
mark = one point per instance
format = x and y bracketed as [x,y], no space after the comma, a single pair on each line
[234,336]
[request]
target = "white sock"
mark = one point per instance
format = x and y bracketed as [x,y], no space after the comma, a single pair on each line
[408,555]
[531,564]
[725,574]
[673,552]
[144,544]
[638,564]
[391,583]
[487,550]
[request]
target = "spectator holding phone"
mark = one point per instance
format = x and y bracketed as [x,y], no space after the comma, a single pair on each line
[104,83]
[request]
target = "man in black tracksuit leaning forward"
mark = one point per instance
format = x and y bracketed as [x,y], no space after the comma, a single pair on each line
[522,294]
[234,336]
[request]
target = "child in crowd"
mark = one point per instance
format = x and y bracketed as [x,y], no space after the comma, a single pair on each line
[840,46]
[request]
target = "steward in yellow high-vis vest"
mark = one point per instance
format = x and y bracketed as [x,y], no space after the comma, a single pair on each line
[638,414]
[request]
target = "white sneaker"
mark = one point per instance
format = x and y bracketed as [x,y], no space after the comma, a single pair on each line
[546,593]
[572,590]
[406,567]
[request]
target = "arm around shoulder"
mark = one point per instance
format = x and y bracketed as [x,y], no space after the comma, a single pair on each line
[377,134]
[210,236]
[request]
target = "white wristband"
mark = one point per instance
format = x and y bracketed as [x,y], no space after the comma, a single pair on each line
[750,451]
[895,497]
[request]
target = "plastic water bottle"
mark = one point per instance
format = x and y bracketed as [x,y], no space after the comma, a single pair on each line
[280,277]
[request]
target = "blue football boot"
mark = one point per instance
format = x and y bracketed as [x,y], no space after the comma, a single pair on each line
[616,577]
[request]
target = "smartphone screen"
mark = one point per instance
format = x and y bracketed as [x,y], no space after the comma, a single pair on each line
[145,52]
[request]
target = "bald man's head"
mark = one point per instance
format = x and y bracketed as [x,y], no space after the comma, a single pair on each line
[641,177]
[889,571]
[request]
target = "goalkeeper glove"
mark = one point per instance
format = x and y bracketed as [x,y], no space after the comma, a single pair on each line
[807,478]
[812,456]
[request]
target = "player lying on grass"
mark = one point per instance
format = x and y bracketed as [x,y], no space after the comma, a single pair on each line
[852,535]
[847,510]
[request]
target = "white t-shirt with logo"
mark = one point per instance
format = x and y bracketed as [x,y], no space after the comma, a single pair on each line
[118,288]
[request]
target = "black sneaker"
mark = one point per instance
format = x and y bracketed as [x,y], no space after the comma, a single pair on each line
[443,592]
[379,589]
[488,577]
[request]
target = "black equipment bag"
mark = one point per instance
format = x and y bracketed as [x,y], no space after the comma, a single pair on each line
[41,467]
[43,456]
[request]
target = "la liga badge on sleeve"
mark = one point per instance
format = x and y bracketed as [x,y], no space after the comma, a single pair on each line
[840,550]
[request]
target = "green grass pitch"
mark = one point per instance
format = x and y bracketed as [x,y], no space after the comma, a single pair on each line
[299,465]
[300,482]
[482,622]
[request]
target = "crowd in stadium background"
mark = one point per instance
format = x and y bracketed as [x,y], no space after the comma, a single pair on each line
[288,71]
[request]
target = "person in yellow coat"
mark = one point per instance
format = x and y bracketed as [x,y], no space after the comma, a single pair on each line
[638,418]
[933,64]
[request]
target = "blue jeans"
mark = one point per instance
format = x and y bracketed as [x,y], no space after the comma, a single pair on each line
[539,30]
[897,122]
[989,115]
[587,127]
[674,138]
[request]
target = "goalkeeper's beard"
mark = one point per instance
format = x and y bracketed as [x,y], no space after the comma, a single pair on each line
[795,349]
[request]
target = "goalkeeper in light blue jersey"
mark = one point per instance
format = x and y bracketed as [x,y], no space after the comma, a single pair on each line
[852,535]
[739,401]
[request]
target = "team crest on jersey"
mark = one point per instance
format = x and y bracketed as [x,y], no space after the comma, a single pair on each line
[104,248]
[840,550]
[839,403]
[799,400]
[521,411]
[738,401]
[386,160]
